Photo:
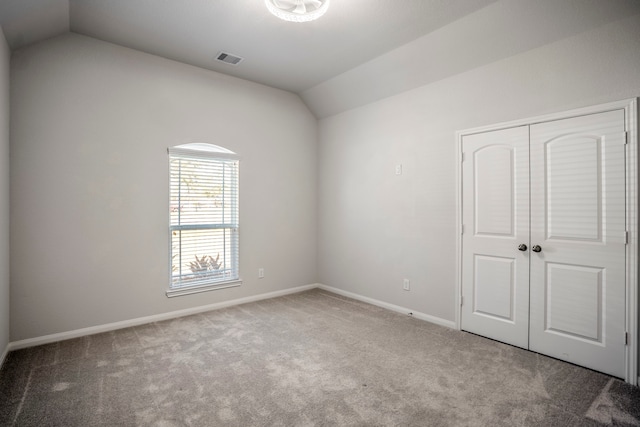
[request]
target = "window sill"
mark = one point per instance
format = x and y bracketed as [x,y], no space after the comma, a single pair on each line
[202,288]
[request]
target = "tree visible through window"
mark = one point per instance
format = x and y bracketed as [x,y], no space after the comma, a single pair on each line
[203,216]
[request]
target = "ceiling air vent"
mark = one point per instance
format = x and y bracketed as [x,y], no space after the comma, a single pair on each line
[228,58]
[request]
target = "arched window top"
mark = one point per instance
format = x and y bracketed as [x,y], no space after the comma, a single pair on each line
[202,149]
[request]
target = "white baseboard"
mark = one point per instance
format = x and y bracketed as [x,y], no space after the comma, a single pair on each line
[4,355]
[46,339]
[422,316]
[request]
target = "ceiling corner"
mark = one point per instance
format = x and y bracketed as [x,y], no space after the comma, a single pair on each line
[26,22]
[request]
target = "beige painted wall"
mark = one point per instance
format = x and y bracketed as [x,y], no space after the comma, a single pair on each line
[91,123]
[4,192]
[376,228]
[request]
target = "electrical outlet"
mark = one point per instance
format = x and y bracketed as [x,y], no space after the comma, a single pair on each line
[406,284]
[399,169]
[260,273]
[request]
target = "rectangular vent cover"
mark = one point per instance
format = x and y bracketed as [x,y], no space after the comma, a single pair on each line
[228,58]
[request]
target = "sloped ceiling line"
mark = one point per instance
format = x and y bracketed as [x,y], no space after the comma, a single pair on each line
[360,51]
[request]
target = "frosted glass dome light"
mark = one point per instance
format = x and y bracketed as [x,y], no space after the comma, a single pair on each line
[298,10]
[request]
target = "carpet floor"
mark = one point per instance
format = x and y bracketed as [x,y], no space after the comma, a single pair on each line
[308,359]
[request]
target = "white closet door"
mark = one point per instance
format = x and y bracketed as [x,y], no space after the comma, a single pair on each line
[578,221]
[495,273]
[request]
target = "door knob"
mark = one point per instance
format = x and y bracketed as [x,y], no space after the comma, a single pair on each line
[536,248]
[522,247]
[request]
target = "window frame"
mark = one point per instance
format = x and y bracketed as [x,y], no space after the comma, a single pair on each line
[206,152]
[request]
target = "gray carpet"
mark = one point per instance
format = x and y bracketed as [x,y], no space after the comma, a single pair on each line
[309,359]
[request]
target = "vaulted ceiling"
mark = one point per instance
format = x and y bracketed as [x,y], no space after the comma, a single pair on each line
[360,51]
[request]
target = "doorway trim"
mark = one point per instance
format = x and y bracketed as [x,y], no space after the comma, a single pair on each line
[630,107]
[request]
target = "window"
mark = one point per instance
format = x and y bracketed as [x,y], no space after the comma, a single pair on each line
[203,193]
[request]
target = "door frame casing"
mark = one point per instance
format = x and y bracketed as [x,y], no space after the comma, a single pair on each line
[630,107]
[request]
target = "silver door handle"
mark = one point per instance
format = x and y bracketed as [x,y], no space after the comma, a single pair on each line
[522,247]
[536,248]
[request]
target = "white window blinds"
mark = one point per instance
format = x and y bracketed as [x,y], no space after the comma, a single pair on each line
[203,216]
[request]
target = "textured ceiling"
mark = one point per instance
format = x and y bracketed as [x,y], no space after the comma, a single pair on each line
[497,31]
[286,55]
[290,56]
[358,52]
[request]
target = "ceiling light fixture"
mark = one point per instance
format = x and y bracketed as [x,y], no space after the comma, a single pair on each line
[298,10]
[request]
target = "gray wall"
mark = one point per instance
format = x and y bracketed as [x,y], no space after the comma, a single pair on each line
[91,123]
[375,227]
[4,193]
